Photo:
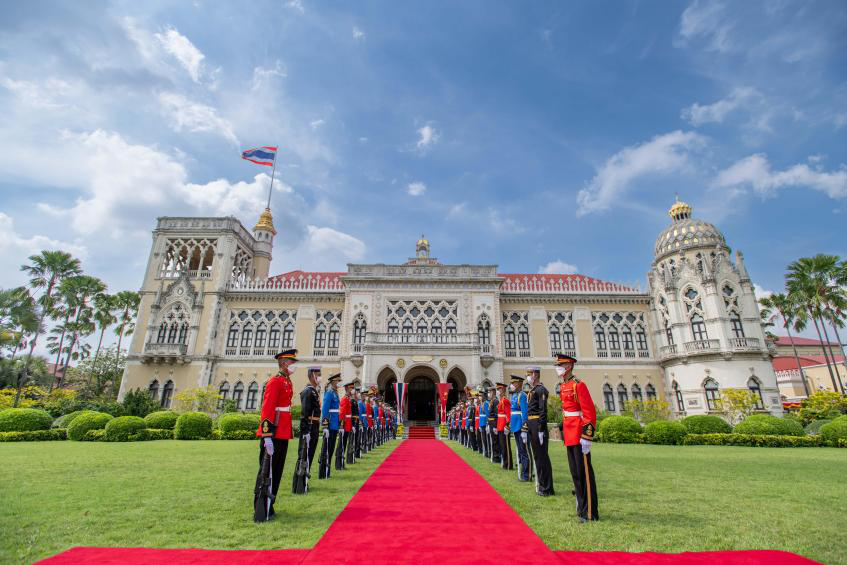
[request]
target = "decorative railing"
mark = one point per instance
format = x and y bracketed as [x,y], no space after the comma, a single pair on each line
[422,339]
[703,345]
[668,351]
[293,282]
[486,349]
[194,274]
[358,348]
[744,343]
[166,348]
[561,284]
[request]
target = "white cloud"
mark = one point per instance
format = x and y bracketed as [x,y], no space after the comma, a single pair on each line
[755,171]
[262,75]
[184,114]
[708,21]
[416,189]
[358,34]
[297,5]
[457,209]
[662,154]
[38,96]
[558,267]
[317,123]
[761,292]
[328,243]
[428,136]
[716,112]
[183,50]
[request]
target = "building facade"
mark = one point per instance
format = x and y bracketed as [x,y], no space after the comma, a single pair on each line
[211,315]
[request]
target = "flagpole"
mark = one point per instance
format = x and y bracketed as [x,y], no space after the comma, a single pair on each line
[271,187]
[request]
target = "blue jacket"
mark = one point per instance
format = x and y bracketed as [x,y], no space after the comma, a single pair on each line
[519,411]
[483,415]
[329,410]
[469,417]
[363,414]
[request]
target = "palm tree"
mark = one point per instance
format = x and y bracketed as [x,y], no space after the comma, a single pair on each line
[79,292]
[790,313]
[126,304]
[45,271]
[808,281]
[18,317]
[104,316]
[838,305]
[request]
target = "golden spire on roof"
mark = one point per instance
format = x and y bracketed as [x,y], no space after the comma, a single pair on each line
[266,222]
[680,210]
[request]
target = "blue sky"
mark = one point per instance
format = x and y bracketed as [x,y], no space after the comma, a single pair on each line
[541,137]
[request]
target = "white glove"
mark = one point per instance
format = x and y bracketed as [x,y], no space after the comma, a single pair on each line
[524,436]
[269,446]
[586,446]
[541,438]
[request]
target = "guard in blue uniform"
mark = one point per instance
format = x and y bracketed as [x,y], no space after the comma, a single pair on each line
[330,423]
[363,422]
[518,425]
[483,426]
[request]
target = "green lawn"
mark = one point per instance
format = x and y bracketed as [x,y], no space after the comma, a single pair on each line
[55,495]
[672,499]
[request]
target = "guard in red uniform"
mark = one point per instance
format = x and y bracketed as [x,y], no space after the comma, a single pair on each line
[275,427]
[579,421]
[504,414]
[345,416]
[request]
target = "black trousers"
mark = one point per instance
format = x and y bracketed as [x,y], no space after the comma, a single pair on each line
[506,450]
[277,463]
[327,449]
[314,430]
[583,481]
[495,444]
[523,456]
[541,456]
[340,454]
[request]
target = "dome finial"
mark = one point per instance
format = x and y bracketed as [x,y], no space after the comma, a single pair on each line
[266,222]
[422,247]
[680,210]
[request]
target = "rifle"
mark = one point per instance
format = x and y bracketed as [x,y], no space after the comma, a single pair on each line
[350,448]
[322,461]
[301,470]
[263,496]
[339,450]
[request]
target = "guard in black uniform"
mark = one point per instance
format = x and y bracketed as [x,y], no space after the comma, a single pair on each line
[539,436]
[310,418]
[492,425]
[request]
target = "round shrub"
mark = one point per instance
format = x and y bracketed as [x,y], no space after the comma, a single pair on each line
[835,430]
[161,420]
[193,425]
[662,432]
[619,429]
[65,421]
[767,425]
[239,422]
[125,428]
[814,427]
[705,424]
[85,422]
[24,420]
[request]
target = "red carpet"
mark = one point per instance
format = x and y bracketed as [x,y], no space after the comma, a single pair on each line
[421,432]
[422,504]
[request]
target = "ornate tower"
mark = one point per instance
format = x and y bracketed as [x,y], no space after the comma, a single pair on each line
[706,319]
[264,233]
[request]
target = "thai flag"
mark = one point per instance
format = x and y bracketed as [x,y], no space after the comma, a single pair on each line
[260,155]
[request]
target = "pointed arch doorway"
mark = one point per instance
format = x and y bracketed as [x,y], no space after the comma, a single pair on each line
[421,399]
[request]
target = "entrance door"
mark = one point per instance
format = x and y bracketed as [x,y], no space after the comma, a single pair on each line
[421,399]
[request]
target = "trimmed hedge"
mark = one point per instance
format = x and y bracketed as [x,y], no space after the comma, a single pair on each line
[835,430]
[706,424]
[153,433]
[56,434]
[216,434]
[663,432]
[86,422]
[193,425]
[814,427]
[65,421]
[233,422]
[239,434]
[619,429]
[24,420]
[94,435]
[126,428]
[161,420]
[748,440]
[767,425]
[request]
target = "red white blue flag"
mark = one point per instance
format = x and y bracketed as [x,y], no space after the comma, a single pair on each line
[260,155]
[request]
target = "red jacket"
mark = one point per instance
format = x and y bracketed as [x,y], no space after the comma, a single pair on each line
[345,414]
[381,416]
[370,413]
[582,422]
[276,406]
[476,418]
[504,414]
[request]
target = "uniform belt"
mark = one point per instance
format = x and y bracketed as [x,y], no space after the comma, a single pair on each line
[356,417]
[283,408]
[314,418]
[501,416]
[348,416]
[535,417]
[333,409]
[572,414]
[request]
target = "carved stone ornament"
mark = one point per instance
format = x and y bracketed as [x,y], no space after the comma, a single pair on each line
[443,363]
[401,363]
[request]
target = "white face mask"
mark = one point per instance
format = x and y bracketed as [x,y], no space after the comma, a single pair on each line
[513,387]
[560,370]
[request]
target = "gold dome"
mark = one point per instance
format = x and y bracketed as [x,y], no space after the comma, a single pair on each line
[266,222]
[680,210]
[423,242]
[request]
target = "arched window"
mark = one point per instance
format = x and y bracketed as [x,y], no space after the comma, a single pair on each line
[756,389]
[422,329]
[273,338]
[608,398]
[232,336]
[320,336]
[736,325]
[261,333]
[636,393]
[680,406]
[623,397]
[392,327]
[167,394]
[627,339]
[668,333]
[523,340]
[223,393]
[163,330]
[436,326]
[712,395]
[360,327]
[252,393]
[450,326]
[288,336]
[153,389]
[698,328]
[334,333]
[641,341]
[172,333]
[483,328]
[651,392]
[237,393]
[555,339]
[183,332]
[600,338]
[509,340]
[247,336]
[568,341]
[614,339]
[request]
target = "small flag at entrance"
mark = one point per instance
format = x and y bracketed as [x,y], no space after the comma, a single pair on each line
[260,155]
[399,391]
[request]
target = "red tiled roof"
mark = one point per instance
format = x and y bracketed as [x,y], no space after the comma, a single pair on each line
[785,340]
[788,362]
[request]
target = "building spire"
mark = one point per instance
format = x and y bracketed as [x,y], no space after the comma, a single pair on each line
[266,222]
